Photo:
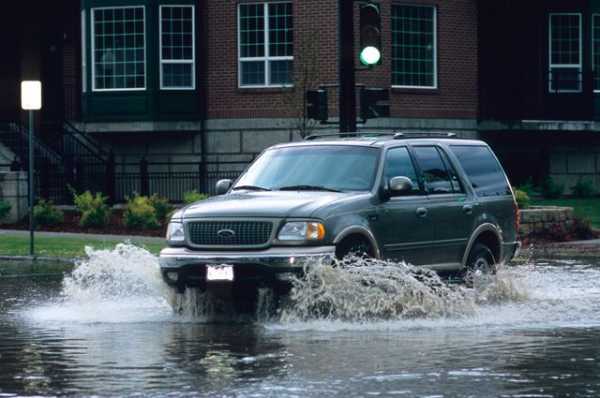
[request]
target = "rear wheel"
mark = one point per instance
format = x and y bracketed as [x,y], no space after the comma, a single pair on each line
[481,264]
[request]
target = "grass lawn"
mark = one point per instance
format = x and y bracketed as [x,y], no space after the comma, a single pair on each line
[58,246]
[584,208]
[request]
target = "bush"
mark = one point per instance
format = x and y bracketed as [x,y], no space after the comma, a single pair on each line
[140,213]
[93,209]
[551,189]
[583,189]
[522,199]
[529,188]
[5,208]
[193,196]
[162,207]
[46,213]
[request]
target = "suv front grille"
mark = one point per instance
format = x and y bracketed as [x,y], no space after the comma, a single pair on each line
[230,233]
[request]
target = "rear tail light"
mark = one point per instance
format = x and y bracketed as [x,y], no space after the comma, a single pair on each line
[517,216]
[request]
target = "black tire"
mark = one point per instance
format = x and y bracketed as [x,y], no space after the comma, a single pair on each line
[481,261]
[353,246]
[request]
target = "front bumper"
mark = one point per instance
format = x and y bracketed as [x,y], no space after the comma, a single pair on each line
[182,266]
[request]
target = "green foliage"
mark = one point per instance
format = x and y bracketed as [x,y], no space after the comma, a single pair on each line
[140,213]
[4,208]
[529,188]
[162,207]
[193,196]
[522,199]
[46,213]
[583,189]
[93,209]
[551,189]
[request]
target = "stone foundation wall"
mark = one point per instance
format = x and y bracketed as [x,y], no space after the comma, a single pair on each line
[538,220]
[13,189]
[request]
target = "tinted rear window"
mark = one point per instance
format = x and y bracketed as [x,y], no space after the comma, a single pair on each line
[483,170]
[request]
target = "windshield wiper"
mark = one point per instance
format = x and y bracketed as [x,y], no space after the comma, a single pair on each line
[308,188]
[251,188]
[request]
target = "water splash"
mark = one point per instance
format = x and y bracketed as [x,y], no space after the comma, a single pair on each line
[362,290]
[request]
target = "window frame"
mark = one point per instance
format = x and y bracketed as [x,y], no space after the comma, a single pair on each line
[266,58]
[162,61]
[578,66]
[93,49]
[435,85]
[594,71]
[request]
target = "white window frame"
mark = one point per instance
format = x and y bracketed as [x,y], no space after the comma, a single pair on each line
[594,15]
[177,61]
[435,49]
[579,66]
[266,58]
[93,50]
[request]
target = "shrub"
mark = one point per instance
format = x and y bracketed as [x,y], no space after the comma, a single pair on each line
[4,208]
[551,189]
[46,213]
[93,209]
[583,189]
[140,213]
[161,206]
[193,196]
[522,199]
[529,188]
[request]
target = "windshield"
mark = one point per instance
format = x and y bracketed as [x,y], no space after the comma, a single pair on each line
[335,168]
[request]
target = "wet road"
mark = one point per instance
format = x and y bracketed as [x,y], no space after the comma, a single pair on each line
[57,339]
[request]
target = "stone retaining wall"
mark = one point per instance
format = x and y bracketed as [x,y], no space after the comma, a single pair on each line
[537,220]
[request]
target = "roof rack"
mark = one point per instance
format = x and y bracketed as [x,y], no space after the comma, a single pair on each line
[348,135]
[400,136]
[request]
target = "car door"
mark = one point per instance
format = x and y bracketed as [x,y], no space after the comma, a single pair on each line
[403,226]
[450,209]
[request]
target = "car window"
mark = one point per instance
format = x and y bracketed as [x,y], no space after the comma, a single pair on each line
[435,175]
[399,164]
[482,168]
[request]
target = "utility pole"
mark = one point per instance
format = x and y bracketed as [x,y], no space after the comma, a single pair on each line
[347,96]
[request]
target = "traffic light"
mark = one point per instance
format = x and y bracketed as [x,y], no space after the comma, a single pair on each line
[370,34]
[316,105]
[374,102]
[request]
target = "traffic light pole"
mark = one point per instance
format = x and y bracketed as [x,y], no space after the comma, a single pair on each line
[347,96]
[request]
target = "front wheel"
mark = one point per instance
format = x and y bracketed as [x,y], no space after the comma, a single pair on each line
[480,265]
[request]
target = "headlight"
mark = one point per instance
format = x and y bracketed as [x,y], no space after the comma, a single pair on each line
[175,232]
[302,231]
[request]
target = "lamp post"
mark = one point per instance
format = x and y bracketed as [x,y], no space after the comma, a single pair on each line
[31,100]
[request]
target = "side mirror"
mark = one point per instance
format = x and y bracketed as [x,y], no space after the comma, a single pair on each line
[223,186]
[399,186]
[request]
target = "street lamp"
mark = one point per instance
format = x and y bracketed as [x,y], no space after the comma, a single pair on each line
[31,100]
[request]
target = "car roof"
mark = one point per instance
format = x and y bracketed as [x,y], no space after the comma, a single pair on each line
[380,141]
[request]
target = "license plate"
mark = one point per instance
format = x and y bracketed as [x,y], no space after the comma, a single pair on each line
[219,273]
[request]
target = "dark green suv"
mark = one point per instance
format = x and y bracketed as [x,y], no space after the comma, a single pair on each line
[441,203]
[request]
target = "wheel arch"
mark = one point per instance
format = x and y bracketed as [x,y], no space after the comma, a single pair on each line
[488,234]
[360,232]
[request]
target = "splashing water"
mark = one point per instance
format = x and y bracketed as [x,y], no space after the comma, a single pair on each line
[361,290]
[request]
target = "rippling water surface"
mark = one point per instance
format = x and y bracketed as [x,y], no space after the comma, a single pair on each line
[107,330]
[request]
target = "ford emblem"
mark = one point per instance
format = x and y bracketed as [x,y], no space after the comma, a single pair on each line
[226,233]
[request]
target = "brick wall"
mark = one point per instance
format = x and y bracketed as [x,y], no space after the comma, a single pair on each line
[316,21]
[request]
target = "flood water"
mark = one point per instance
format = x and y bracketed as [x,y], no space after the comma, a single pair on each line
[108,331]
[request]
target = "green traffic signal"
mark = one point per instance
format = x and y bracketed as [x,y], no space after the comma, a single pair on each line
[370,34]
[370,56]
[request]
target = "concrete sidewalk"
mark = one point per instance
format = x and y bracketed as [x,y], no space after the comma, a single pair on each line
[137,238]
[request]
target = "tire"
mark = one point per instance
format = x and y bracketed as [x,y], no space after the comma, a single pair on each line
[481,262]
[353,246]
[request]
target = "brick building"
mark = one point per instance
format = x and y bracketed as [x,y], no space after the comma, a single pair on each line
[165,87]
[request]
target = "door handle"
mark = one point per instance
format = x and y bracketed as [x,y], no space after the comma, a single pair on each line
[468,209]
[422,212]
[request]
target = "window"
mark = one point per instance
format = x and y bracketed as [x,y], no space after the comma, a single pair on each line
[596,51]
[399,164]
[118,49]
[177,48]
[265,44]
[436,177]
[564,32]
[484,171]
[414,46]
